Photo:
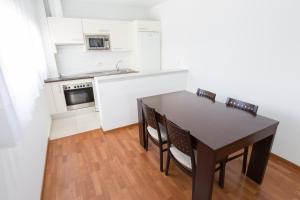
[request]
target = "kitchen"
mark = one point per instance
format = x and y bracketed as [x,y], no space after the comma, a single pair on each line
[93,54]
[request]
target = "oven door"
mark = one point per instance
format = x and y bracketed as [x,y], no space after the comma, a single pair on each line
[79,98]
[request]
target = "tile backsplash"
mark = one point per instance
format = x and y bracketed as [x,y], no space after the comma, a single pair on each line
[74,59]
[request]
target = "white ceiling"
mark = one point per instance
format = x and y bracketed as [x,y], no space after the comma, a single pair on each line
[138,3]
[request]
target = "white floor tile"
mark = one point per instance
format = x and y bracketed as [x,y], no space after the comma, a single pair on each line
[71,125]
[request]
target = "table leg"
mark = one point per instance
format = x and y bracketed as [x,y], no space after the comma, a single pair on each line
[259,159]
[203,181]
[141,123]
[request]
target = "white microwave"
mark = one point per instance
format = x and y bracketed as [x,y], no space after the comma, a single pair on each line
[97,42]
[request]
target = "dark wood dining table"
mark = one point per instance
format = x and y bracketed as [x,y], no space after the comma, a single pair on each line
[219,131]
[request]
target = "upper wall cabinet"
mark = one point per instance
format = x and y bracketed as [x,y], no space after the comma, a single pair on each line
[65,30]
[122,36]
[147,26]
[121,32]
[96,26]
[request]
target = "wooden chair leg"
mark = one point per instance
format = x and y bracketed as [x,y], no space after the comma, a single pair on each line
[161,159]
[245,159]
[193,176]
[168,163]
[193,181]
[147,141]
[222,173]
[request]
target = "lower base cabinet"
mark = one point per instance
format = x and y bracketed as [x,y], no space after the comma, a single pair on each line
[55,98]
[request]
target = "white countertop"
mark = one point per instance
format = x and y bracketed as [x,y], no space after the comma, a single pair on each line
[139,74]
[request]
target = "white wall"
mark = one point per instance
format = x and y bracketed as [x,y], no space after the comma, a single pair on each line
[74,60]
[244,49]
[98,9]
[50,57]
[22,166]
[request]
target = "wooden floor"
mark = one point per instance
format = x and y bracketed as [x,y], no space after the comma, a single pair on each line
[114,166]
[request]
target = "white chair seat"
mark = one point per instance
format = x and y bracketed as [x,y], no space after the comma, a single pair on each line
[183,158]
[154,134]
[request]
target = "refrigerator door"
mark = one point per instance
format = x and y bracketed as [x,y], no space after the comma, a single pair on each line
[149,51]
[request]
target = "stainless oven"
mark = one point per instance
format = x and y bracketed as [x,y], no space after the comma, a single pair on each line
[79,95]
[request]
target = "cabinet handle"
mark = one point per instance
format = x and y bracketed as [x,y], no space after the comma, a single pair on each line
[103,30]
[118,48]
[144,29]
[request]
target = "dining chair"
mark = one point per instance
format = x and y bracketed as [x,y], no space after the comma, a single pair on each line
[248,107]
[252,109]
[180,149]
[155,131]
[207,94]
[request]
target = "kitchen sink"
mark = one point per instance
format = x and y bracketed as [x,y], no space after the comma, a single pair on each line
[114,72]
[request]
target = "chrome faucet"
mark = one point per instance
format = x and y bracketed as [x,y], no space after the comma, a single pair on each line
[117,65]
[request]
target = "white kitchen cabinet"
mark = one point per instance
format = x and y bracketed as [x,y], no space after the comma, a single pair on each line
[122,36]
[97,26]
[56,98]
[65,30]
[121,32]
[149,51]
[50,98]
[145,26]
[147,46]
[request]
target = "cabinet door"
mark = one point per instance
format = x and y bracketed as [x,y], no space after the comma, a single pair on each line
[122,36]
[59,98]
[96,26]
[149,49]
[65,30]
[50,98]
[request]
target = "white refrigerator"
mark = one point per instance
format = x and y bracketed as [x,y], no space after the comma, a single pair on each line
[149,51]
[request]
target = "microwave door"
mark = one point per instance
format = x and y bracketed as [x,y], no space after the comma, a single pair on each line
[96,43]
